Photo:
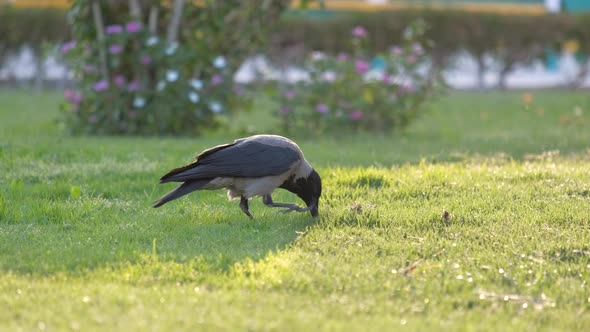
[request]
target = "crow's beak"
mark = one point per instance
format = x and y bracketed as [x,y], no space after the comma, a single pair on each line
[313,207]
[314,212]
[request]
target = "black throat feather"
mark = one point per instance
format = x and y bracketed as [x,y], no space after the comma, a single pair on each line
[303,187]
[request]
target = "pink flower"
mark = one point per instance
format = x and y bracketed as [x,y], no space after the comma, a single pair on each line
[120,80]
[361,66]
[329,76]
[411,59]
[68,94]
[406,87]
[113,29]
[216,79]
[285,110]
[115,48]
[68,46]
[396,50]
[88,69]
[359,32]
[343,57]
[290,94]
[101,86]
[418,49]
[239,90]
[387,79]
[322,108]
[133,86]
[146,60]
[133,26]
[356,115]
[72,96]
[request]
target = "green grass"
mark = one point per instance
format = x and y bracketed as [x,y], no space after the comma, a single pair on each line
[81,248]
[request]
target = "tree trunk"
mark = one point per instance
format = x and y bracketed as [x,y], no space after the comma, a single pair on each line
[578,81]
[135,9]
[99,26]
[440,60]
[506,69]
[39,68]
[153,20]
[481,70]
[174,25]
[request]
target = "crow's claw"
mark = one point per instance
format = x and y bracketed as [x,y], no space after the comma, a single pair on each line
[294,208]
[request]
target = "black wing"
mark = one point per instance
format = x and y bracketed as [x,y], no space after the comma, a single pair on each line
[241,159]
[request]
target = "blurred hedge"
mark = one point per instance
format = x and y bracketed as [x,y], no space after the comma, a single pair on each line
[450,29]
[509,39]
[31,26]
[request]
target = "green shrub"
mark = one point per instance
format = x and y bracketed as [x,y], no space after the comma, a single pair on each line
[361,91]
[146,70]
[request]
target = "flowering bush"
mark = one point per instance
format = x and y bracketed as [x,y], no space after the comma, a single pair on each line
[146,67]
[358,91]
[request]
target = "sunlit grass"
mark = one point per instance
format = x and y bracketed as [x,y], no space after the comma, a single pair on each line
[470,220]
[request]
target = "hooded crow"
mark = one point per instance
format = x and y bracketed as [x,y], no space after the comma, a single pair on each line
[250,167]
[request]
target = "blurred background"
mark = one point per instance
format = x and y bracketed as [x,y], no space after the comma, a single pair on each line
[350,61]
[524,43]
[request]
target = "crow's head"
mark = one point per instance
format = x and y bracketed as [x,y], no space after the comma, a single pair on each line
[308,188]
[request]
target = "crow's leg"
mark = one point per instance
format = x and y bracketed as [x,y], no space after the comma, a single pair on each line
[267,200]
[244,206]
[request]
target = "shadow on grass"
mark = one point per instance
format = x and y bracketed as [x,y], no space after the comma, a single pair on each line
[216,239]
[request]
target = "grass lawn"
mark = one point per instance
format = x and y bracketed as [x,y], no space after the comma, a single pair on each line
[81,248]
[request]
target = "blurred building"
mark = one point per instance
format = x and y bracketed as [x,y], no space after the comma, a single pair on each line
[496,6]
[38,3]
[520,7]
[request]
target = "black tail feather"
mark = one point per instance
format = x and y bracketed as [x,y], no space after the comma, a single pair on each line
[182,190]
[169,175]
